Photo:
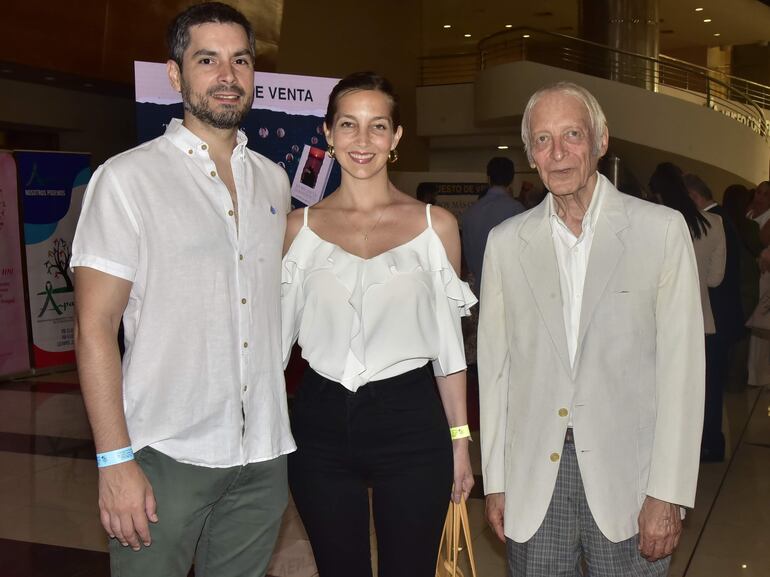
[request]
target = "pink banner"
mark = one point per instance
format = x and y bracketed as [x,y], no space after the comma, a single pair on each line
[14,347]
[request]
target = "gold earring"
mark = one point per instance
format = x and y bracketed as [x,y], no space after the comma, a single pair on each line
[393,156]
[330,151]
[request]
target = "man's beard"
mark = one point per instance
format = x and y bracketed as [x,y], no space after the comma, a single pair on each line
[229,116]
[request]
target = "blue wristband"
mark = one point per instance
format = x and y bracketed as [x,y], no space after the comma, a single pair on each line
[114,457]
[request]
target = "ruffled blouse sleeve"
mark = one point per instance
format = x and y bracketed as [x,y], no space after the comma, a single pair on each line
[293,269]
[454,300]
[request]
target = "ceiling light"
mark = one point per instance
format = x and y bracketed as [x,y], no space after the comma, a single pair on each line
[707,20]
[447,25]
[509,25]
[525,36]
[717,34]
[502,147]
[467,35]
[699,9]
[744,566]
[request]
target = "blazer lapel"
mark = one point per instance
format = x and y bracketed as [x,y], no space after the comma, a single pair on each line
[538,261]
[606,251]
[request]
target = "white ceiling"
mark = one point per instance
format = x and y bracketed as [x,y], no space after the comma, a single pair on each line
[737,21]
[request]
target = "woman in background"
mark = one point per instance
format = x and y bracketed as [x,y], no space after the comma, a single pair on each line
[708,238]
[371,293]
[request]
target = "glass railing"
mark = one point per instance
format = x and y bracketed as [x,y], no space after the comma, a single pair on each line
[740,99]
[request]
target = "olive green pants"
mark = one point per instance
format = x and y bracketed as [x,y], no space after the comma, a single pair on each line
[225,520]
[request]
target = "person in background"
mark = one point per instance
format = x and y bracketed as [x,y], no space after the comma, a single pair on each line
[759,347]
[371,293]
[426,192]
[736,201]
[494,207]
[590,358]
[708,239]
[726,300]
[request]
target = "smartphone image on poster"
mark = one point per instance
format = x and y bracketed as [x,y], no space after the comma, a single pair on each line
[312,175]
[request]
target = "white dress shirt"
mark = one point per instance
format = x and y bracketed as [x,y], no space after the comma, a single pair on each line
[359,320]
[572,254]
[202,375]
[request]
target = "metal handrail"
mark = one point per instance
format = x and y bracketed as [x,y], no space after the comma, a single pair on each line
[736,97]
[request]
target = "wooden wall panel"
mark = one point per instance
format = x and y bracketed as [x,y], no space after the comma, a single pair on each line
[100,39]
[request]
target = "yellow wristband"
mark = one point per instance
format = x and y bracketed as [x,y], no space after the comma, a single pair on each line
[460,432]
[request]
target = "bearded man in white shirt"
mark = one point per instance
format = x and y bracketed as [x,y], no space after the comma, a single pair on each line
[591,362]
[181,237]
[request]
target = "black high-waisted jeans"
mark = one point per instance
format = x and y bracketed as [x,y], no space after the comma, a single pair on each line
[390,435]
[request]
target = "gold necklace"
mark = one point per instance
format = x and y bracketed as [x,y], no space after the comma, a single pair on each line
[371,230]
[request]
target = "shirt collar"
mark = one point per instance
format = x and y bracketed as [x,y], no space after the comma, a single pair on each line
[592,214]
[188,142]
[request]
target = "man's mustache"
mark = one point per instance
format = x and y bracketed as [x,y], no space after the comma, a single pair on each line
[226,88]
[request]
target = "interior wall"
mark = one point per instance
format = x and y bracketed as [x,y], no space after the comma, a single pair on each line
[102,38]
[319,41]
[99,124]
[752,62]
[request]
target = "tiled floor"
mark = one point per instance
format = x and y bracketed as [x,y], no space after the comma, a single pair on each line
[49,524]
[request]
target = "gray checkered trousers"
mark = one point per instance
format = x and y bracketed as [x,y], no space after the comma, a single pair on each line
[569,544]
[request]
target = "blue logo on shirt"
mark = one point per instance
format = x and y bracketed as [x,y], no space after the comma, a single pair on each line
[272,210]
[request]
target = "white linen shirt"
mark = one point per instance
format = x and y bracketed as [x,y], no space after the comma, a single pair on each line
[202,375]
[572,254]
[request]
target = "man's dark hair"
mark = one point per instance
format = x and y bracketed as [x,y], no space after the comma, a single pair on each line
[178,35]
[500,171]
[667,181]
[695,184]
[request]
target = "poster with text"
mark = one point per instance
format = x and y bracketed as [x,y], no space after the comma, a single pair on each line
[52,186]
[14,345]
[285,124]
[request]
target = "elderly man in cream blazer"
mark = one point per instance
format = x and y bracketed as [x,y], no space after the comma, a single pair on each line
[591,362]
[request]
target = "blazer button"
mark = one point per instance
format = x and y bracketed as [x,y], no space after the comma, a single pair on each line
[554,457]
[563,412]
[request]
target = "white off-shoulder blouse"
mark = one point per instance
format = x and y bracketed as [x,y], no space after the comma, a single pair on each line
[359,320]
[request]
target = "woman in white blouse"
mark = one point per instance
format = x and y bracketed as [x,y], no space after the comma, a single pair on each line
[371,294]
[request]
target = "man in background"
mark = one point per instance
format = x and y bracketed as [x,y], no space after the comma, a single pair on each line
[494,206]
[726,306]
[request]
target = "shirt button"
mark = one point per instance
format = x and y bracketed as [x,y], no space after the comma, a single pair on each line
[243,301]
[245,345]
[554,457]
[563,412]
[213,173]
[230,213]
[190,151]
[245,388]
[203,147]
[240,257]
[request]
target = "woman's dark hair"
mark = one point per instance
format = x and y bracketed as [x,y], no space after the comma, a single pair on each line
[667,182]
[736,203]
[178,34]
[362,81]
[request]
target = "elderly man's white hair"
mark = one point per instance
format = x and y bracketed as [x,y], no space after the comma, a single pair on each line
[598,122]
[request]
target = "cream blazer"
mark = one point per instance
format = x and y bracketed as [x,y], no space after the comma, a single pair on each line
[711,255]
[635,393]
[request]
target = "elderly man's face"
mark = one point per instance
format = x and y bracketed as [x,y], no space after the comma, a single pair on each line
[562,146]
